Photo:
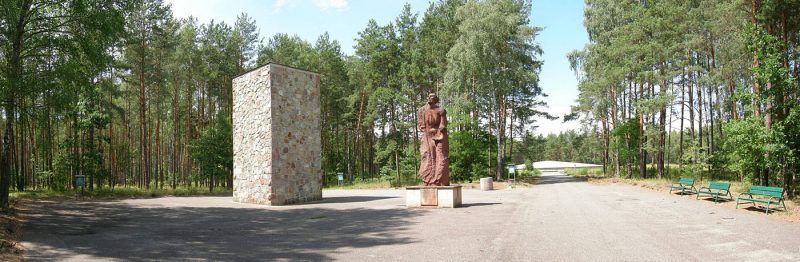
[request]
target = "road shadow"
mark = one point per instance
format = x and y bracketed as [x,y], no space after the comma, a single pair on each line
[719,200]
[351,199]
[762,210]
[558,179]
[477,205]
[114,230]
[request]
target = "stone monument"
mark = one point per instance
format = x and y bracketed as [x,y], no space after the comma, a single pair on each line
[276,136]
[434,167]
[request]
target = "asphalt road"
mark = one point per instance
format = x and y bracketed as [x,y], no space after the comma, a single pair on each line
[559,219]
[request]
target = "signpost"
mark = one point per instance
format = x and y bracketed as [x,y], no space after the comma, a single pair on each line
[80,180]
[512,171]
[340,177]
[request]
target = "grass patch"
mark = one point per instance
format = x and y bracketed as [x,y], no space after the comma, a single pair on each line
[376,184]
[592,172]
[533,172]
[119,193]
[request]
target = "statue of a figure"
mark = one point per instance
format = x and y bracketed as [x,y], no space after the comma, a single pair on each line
[432,122]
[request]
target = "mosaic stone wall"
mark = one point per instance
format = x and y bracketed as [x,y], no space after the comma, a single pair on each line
[276,136]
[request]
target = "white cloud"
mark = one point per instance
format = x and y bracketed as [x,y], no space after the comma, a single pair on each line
[331,4]
[279,4]
[209,9]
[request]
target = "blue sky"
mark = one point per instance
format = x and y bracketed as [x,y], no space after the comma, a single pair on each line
[343,19]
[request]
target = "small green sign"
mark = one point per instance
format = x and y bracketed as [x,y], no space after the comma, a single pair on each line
[80,180]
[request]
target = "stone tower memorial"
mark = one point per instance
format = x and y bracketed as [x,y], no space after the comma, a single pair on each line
[276,136]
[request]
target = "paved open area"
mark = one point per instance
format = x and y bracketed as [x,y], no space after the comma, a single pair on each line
[559,219]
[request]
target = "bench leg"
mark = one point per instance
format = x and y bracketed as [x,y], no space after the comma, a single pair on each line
[767,212]
[737,203]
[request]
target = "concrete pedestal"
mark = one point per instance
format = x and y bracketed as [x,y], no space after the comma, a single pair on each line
[433,196]
[486,183]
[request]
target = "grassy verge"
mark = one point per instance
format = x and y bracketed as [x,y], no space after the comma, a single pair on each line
[528,173]
[585,172]
[10,235]
[377,184]
[525,178]
[119,193]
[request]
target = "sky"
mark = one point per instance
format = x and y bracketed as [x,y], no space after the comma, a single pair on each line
[562,21]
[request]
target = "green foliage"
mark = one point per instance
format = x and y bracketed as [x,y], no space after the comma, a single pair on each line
[530,172]
[625,140]
[470,155]
[789,129]
[696,161]
[744,143]
[213,150]
[584,172]
[770,72]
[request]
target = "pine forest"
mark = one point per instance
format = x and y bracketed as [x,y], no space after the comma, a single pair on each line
[129,96]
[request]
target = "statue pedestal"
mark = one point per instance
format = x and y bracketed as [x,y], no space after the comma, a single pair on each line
[433,196]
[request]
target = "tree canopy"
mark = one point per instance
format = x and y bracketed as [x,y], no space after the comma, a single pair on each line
[127,95]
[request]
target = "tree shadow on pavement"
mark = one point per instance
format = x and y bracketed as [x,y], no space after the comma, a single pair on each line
[114,230]
[719,201]
[350,199]
[762,209]
[478,204]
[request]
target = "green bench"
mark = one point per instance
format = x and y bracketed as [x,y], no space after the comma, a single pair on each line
[717,190]
[684,184]
[763,194]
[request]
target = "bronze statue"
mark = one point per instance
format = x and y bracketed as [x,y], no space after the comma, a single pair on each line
[432,121]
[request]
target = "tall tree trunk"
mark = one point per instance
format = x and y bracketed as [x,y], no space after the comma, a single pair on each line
[13,77]
[699,107]
[189,136]
[642,153]
[158,149]
[669,136]
[690,91]
[499,127]
[732,97]
[143,134]
[92,147]
[788,181]
[662,133]
[5,159]
[683,118]
[173,153]
[756,87]
[767,121]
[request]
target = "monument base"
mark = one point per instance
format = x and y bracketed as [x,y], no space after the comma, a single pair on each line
[433,196]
